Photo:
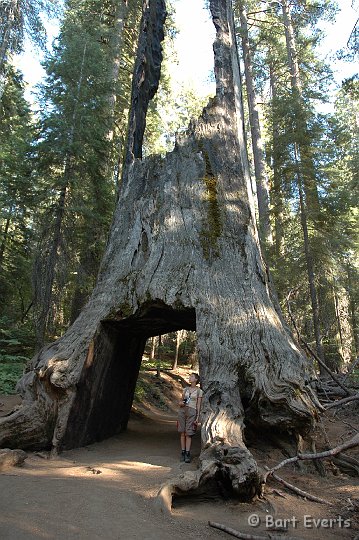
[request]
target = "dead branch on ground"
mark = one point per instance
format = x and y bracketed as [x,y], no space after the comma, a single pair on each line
[342,401]
[244,536]
[354,441]
[299,491]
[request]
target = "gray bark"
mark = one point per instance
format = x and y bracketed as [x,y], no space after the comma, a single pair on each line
[146,75]
[183,253]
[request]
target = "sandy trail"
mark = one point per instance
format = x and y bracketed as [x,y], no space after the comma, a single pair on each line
[106,491]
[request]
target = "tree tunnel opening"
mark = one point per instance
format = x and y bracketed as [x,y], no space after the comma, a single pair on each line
[105,391]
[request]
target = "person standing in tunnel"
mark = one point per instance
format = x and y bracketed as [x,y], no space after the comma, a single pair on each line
[188,415]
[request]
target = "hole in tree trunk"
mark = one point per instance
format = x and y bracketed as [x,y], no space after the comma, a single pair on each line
[106,388]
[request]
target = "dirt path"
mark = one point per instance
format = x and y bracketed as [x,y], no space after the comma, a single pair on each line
[106,491]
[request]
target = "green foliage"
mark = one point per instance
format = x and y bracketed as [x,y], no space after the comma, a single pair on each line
[78,157]
[20,18]
[18,197]
[10,373]
[16,343]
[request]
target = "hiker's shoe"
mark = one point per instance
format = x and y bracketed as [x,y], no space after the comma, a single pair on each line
[183,455]
[187,458]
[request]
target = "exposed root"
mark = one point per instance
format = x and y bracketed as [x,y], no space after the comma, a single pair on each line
[232,472]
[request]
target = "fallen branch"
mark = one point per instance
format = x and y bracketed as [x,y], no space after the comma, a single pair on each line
[342,401]
[354,441]
[299,491]
[350,425]
[310,350]
[244,536]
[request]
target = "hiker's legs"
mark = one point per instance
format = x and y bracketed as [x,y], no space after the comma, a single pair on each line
[188,443]
[183,441]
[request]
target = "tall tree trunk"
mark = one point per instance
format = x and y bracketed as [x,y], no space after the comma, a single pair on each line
[276,192]
[309,200]
[45,279]
[183,253]
[307,166]
[179,335]
[352,308]
[5,237]
[310,271]
[265,233]
[153,348]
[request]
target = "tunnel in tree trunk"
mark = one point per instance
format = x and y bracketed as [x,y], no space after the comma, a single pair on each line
[183,252]
[102,405]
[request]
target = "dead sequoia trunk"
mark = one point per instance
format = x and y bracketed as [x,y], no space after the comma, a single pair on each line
[183,253]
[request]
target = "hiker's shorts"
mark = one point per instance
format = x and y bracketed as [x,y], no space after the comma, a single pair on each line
[186,422]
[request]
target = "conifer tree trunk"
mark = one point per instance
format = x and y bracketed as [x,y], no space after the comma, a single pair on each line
[310,273]
[257,144]
[352,308]
[179,336]
[183,253]
[309,200]
[4,235]
[276,192]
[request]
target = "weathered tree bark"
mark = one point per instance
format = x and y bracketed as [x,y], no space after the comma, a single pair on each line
[183,253]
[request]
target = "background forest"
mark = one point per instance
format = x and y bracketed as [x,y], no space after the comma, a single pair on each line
[61,161]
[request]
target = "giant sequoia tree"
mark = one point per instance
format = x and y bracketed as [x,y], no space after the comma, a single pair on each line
[183,253]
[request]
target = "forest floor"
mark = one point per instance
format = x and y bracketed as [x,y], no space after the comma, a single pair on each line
[106,490]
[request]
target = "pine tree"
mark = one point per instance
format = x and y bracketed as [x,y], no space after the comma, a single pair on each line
[77,154]
[20,18]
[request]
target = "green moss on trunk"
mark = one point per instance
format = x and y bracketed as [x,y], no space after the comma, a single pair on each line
[212,224]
